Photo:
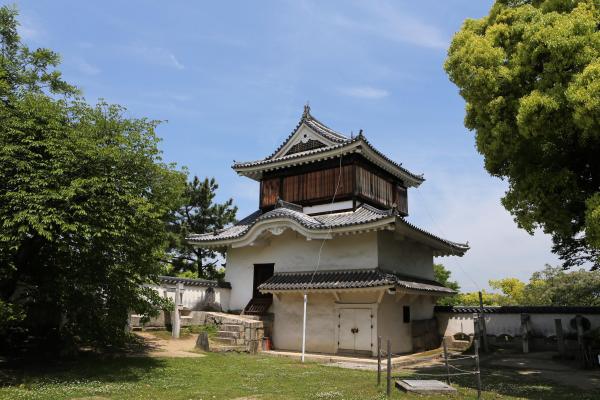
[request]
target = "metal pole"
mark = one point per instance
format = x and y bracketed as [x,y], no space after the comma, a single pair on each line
[378,360]
[446,361]
[388,390]
[304,328]
[478,371]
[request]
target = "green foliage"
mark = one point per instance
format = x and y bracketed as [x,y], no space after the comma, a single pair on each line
[552,286]
[530,75]
[472,299]
[199,214]
[513,290]
[556,287]
[84,198]
[442,275]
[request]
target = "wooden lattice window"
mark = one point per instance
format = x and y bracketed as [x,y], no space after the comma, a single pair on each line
[310,144]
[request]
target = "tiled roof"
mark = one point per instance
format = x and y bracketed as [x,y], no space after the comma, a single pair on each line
[173,280]
[316,126]
[338,144]
[348,279]
[364,214]
[520,309]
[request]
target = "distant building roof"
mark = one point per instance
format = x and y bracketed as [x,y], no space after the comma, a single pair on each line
[365,217]
[348,279]
[173,280]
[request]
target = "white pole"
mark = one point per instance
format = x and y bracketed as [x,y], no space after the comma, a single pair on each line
[304,328]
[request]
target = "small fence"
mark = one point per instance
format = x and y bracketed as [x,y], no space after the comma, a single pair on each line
[449,358]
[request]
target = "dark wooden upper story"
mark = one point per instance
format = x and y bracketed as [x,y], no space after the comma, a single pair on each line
[355,178]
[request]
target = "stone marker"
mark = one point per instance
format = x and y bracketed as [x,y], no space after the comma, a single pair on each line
[424,386]
[202,341]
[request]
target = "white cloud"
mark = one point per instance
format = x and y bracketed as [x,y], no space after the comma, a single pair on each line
[467,208]
[85,67]
[157,56]
[28,29]
[364,92]
[385,20]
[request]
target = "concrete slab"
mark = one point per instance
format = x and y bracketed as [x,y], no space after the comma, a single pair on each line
[423,386]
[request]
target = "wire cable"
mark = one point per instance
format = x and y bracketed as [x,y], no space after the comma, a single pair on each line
[436,226]
[337,186]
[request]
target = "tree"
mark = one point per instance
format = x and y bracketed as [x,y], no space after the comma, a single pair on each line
[199,214]
[556,287]
[84,197]
[442,275]
[513,290]
[530,75]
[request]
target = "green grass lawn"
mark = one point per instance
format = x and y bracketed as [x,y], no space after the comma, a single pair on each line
[229,376]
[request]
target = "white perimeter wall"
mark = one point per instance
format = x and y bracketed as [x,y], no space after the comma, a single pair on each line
[510,324]
[194,296]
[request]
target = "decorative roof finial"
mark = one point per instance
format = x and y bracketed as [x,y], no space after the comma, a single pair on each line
[306,109]
[360,133]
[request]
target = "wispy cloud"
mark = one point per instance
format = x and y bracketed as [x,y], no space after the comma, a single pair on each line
[364,92]
[385,20]
[157,56]
[28,29]
[85,67]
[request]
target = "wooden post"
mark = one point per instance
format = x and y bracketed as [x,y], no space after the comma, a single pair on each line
[482,323]
[560,337]
[478,373]
[476,329]
[446,361]
[378,360]
[525,332]
[579,324]
[388,390]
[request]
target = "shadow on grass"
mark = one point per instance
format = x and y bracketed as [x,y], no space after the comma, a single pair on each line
[89,367]
[503,381]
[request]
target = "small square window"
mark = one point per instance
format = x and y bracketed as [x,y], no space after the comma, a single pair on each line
[406,314]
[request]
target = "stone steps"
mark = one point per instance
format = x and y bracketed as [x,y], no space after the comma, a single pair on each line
[225,348]
[230,334]
[232,328]
[229,341]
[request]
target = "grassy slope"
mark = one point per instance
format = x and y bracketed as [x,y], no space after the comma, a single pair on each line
[225,376]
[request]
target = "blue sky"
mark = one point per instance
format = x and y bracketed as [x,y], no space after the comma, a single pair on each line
[231,78]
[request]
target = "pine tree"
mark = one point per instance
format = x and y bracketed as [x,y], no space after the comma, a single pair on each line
[200,214]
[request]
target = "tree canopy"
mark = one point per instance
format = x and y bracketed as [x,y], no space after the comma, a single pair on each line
[84,201]
[199,214]
[530,75]
[552,286]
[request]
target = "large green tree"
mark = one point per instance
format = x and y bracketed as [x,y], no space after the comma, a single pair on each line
[530,75]
[199,214]
[84,197]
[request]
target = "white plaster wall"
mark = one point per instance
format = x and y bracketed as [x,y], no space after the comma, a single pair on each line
[405,256]
[193,296]
[292,252]
[320,323]
[391,325]
[510,324]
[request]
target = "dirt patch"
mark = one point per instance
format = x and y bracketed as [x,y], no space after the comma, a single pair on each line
[155,346]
